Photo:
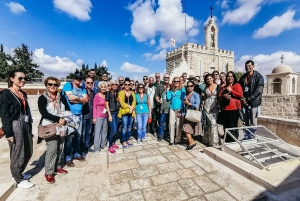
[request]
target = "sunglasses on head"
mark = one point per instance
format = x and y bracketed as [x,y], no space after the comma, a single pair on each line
[89,82]
[51,84]
[22,78]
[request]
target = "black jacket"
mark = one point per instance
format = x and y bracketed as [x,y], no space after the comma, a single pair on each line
[111,98]
[255,90]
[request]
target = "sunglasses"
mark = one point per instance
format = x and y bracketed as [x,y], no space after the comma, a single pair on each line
[166,77]
[51,84]
[145,79]
[197,80]
[114,84]
[190,85]
[215,74]
[104,75]
[22,78]
[157,77]
[121,80]
[176,81]
[89,82]
[141,87]
[127,84]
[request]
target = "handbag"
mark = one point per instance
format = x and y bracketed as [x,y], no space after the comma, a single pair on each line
[241,114]
[1,133]
[47,131]
[193,115]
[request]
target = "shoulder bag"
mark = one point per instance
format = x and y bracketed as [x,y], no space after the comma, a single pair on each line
[241,114]
[48,131]
[193,115]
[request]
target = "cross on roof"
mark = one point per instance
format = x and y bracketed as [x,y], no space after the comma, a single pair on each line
[282,58]
[211,11]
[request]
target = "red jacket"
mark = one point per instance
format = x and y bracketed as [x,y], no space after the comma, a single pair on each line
[236,94]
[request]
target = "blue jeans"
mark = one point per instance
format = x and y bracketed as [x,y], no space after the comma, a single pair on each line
[126,127]
[161,127]
[86,135]
[72,143]
[142,120]
[113,127]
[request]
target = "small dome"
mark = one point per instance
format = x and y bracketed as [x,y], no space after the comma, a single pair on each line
[282,69]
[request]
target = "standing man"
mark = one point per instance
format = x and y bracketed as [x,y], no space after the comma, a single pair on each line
[163,106]
[151,94]
[132,86]
[184,76]
[146,82]
[87,116]
[157,78]
[197,88]
[252,83]
[121,83]
[216,77]
[75,96]
[202,85]
[92,74]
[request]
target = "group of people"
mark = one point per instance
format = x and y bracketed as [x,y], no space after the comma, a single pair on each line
[100,108]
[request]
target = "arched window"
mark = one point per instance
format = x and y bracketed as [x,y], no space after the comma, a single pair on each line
[293,86]
[277,83]
[213,36]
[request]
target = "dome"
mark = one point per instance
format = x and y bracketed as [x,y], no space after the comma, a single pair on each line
[282,69]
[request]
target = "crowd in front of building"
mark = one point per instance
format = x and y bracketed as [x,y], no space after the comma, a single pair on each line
[88,112]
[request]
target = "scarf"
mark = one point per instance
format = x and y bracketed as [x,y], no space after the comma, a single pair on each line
[51,100]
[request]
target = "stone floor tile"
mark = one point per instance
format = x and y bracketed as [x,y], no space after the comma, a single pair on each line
[171,157]
[171,191]
[165,178]
[197,199]
[219,195]
[163,143]
[169,167]
[120,150]
[93,159]
[183,155]
[196,152]
[206,184]
[132,196]
[140,184]
[133,149]
[92,193]
[205,164]
[174,148]
[117,189]
[187,163]
[152,141]
[198,170]
[150,146]
[164,150]
[121,157]
[143,172]
[124,165]
[152,160]
[120,177]
[190,187]
[186,173]
[71,191]
[146,153]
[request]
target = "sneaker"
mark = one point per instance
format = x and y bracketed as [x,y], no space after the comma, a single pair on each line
[62,171]
[105,148]
[49,178]
[159,139]
[111,150]
[115,146]
[25,177]
[143,141]
[97,153]
[25,184]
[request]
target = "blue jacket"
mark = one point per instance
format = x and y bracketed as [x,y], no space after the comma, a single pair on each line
[195,101]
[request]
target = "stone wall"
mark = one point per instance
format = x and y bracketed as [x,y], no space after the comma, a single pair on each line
[287,107]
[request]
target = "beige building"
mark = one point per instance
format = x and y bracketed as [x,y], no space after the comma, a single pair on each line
[195,59]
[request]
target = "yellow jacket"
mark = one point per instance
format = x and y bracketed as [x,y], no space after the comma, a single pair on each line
[124,109]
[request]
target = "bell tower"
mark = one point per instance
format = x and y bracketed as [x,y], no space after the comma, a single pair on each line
[211,33]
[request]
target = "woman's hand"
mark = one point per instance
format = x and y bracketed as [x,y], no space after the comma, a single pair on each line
[61,122]
[10,139]
[179,114]
[94,121]
[109,118]
[227,96]
[186,102]
[229,88]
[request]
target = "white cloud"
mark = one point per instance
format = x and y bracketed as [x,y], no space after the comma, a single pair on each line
[266,63]
[152,42]
[244,13]
[277,25]
[113,75]
[55,66]
[128,67]
[104,63]
[75,8]
[165,19]
[15,7]
[155,57]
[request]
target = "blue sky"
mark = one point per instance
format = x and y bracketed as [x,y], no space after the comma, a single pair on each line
[132,36]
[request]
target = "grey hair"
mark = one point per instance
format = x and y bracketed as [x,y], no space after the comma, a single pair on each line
[102,82]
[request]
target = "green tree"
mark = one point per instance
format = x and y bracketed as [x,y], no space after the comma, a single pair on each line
[85,69]
[22,59]
[239,75]
[4,67]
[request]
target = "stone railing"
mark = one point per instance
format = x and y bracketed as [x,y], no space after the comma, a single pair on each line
[287,107]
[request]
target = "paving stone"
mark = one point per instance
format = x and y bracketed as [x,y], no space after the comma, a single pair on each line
[219,195]
[146,153]
[132,196]
[120,150]
[147,171]
[171,157]
[186,173]
[174,148]
[93,159]
[91,194]
[121,157]
[183,155]
[124,165]
[152,141]
[198,170]
[152,160]
[150,146]
[140,184]
[120,188]
[70,190]
[164,150]
[196,152]
[163,143]
[171,191]
[133,149]
[165,178]
[187,163]
[205,164]
[190,187]
[120,177]
[169,167]
[206,184]
[197,199]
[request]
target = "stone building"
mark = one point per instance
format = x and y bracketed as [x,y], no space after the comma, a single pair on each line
[195,59]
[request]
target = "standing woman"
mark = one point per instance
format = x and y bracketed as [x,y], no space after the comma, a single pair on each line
[175,95]
[100,111]
[143,110]
[112,99]
[16,125]
[50,106]
[127,112]
[211,135]
[223,79]
[231,95]
[191,101]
